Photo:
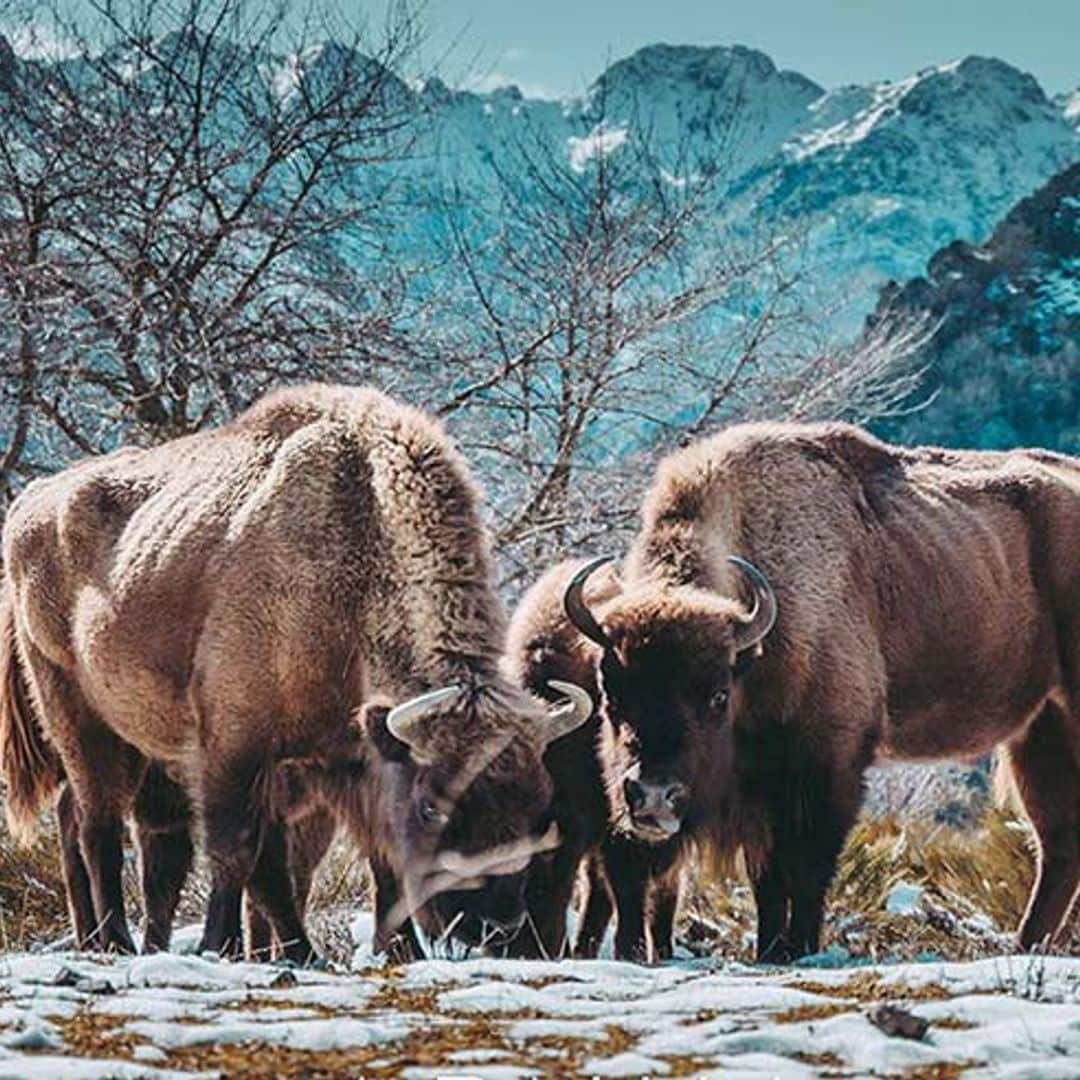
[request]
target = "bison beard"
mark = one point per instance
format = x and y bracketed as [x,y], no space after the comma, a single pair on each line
[928,606]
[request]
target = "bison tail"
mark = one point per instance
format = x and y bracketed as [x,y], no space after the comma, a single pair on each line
[30,766]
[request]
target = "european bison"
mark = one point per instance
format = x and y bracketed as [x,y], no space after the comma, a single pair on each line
[642,879]
[926,604]
[228,600]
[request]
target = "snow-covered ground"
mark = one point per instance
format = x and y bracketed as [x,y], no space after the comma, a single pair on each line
[70,1015]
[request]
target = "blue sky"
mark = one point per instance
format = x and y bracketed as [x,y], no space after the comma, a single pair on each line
[556,46]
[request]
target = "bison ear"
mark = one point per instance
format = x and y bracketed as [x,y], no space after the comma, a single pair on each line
[373,719]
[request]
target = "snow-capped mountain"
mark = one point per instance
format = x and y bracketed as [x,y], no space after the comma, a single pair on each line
[879,176]
[1069,104]
[731,104]
[1005,358]
[874,179]
[886,174]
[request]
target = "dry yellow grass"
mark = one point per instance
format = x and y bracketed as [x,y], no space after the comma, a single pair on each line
[975,883]
[32,903]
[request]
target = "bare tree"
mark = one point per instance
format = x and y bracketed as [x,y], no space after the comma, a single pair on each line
[605,311]
[192,207]
[190,215]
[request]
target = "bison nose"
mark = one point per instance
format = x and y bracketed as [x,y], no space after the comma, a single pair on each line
[634,793]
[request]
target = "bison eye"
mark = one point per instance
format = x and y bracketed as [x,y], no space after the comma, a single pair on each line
[430,814]
[718,703]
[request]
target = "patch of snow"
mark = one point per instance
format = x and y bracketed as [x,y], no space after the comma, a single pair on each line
[835,956]
[1019,1015]
[626,1065]
[903,898]
[600,142]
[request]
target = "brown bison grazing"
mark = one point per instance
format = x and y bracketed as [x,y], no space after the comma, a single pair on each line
[926,604]
[641,878]
[229,600]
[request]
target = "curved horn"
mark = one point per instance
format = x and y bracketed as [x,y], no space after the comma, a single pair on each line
[574,605]
[402,720]
[569,715]
[762,616]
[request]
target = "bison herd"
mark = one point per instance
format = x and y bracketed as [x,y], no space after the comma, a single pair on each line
[252,637]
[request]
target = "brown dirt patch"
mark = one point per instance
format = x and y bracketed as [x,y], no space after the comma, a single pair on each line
[802,1013]
[952,1023]
[867,988]
[942,1070]
[95,1033]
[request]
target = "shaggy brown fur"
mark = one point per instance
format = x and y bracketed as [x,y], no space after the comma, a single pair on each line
[32,771]
[641,879]
[929,606]
[228,600]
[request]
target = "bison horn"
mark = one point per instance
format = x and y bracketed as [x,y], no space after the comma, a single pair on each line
[403,720]
[577,610]
[754,626]
[569,715]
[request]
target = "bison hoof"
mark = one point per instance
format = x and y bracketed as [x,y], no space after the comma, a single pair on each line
[634,954]
[120,944]
[778,952]
[312,961]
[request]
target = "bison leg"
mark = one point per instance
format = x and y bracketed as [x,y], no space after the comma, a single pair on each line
[771,900]
[76,881]
[163,836]
[103,773]
[259,943]
[1045,768]
[307,841]
[397,939]
[827,805]
[665,903]
[629,884]
[271,887]
[813,871]
[596,912]
[233,826]
[548,894]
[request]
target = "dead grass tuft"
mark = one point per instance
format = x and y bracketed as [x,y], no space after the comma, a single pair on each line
[867,988]
[800,1014]
[821,1061]
[953,1023]
[92,1032]
[975,883]
[974,880]
[32,902]
[940,1070]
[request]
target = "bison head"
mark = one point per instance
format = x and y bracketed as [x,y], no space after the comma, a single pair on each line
[670,662]
[449,792]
